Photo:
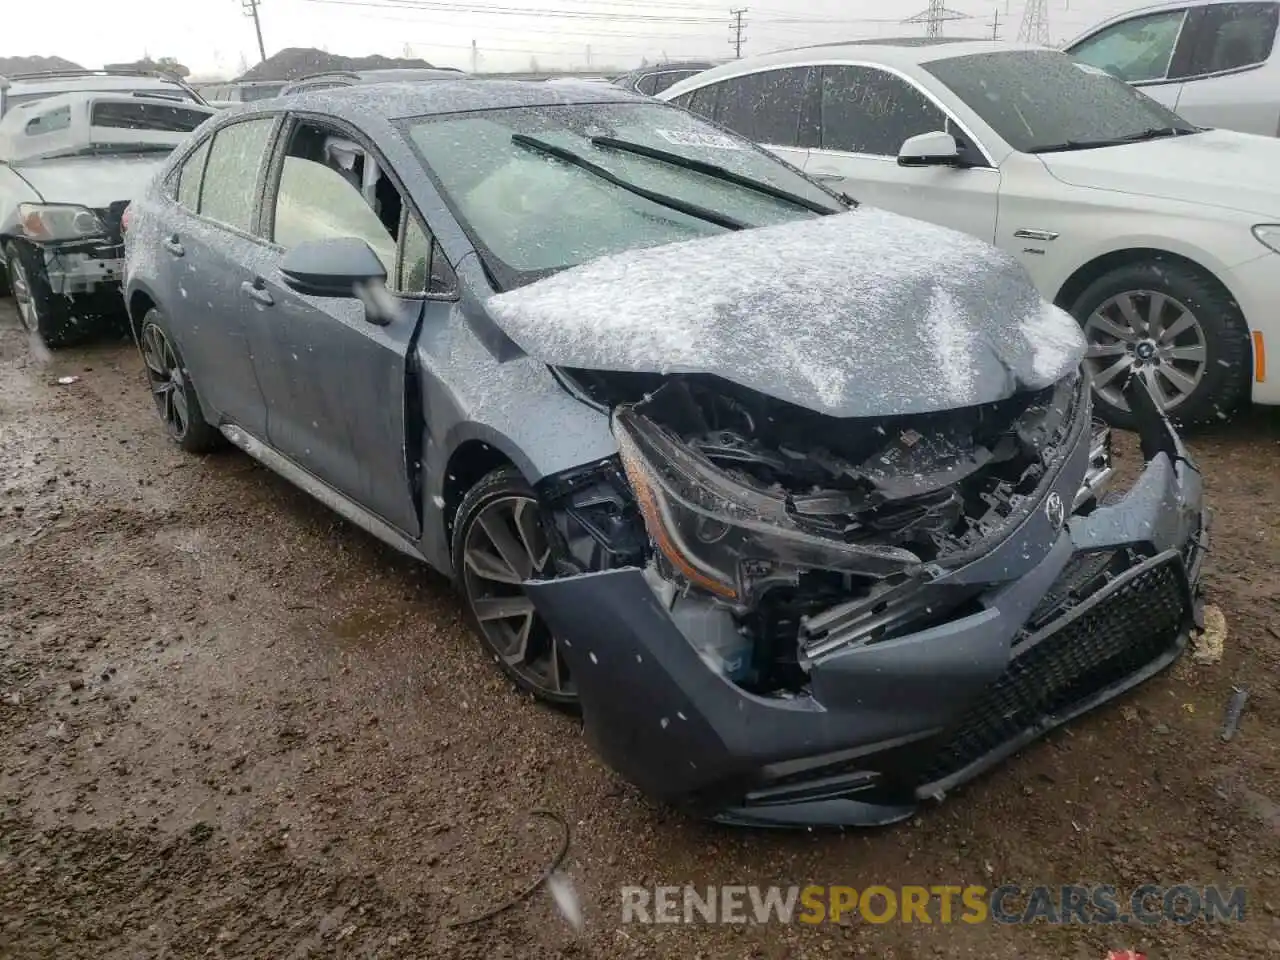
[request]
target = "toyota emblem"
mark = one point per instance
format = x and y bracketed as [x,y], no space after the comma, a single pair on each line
[1055,511]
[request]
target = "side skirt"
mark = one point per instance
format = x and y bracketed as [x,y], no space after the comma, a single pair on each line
[331,498]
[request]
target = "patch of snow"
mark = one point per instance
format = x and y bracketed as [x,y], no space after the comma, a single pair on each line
[1056,342]
[863,313]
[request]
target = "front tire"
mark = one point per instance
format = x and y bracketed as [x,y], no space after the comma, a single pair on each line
[498,543]
[39,310]
[1175,327]
[171,387]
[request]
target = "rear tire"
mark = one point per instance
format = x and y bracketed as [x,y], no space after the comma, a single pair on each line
[39,309]
[171,387]
[1176,327]
[498,542]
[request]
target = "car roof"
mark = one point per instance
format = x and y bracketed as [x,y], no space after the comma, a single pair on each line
[393,101]
[72,81]
[901,53]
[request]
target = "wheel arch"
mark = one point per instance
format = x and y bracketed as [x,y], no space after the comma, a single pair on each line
[470,461]
[1104,263]
[137,303]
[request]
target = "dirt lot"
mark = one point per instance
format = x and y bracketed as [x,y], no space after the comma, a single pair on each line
[233,725]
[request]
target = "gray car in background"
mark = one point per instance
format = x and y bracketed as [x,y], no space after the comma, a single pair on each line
[799,502]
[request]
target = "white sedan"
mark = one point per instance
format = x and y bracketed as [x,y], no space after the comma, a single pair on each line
[1162,238]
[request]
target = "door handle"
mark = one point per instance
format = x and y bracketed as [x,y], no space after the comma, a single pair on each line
[256,290]
[825,177]
[173,245]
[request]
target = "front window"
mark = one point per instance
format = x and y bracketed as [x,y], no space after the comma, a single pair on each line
[146,116]
[530,213]
[1136,50]
[1039,101]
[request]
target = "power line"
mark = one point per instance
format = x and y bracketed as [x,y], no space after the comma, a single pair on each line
[934,17]
[736,26]
[460,6]
[1035,23]
[251,10]
[448,6]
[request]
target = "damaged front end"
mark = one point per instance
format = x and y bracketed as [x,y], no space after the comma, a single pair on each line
[777,616]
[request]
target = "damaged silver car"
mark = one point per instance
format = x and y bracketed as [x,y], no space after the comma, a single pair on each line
[801,503]
[74,148]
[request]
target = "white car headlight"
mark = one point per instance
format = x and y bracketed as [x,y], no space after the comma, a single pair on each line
[1268,235]
[47,222]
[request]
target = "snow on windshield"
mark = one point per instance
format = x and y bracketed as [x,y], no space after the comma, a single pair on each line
[859,314]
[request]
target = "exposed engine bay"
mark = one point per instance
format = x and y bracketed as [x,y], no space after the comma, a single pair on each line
[781,514]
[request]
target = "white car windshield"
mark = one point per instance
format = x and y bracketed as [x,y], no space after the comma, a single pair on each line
[531,211]
[1042,101]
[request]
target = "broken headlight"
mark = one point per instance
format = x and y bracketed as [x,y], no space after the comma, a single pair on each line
[708,526]
[48,222]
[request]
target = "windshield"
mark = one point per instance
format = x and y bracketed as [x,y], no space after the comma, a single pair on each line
[530,213]
[1038,99]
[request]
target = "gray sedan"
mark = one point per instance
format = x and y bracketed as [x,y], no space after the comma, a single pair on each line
[800,502]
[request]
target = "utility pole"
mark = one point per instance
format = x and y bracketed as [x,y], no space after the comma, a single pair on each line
[736,26]
[995,26]
[251,10]
[1035,23]
[934,17]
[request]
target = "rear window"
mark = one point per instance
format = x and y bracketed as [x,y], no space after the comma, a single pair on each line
[146,116]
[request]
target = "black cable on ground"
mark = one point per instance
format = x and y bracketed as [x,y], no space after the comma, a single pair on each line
[526,893]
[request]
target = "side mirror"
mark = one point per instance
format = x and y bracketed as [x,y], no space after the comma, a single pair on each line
[341,267]
[930,150]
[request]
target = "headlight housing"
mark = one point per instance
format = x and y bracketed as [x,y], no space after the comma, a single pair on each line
[1268,235]
[49,222]
[712,529]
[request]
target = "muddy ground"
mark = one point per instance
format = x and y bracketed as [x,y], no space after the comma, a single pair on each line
[232,725]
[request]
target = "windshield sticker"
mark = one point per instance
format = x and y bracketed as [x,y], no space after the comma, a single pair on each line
[697,138]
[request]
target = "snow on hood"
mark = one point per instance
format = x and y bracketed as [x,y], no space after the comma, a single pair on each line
[1217,167]
[856,314]
[91,181]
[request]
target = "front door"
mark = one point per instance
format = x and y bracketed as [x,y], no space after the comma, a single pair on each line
[866,114]
[334,380]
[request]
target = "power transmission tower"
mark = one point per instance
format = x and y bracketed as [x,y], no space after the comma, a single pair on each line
[736,26]
[251,10]
[1035,23]
[935,17]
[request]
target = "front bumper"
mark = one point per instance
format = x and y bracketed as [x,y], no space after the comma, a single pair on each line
[84,270]
[887,725]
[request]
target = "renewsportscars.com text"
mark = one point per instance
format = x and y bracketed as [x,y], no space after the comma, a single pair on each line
[942,904]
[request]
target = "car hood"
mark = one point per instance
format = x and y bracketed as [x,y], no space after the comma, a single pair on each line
[856,314]
[1218,167]
[94,182]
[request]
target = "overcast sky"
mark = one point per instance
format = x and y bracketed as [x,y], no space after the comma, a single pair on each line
[214,37]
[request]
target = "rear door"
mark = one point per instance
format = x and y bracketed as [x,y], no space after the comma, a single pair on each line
[207,240]
[1232,73]
[1148,51]
[334,380]
[866,114]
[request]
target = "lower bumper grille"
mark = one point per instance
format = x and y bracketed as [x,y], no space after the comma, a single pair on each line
[1111,637]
